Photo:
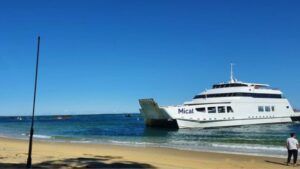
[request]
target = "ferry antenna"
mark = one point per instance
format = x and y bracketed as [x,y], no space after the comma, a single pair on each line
[232,80]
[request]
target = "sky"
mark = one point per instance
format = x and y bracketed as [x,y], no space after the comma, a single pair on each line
[101,56]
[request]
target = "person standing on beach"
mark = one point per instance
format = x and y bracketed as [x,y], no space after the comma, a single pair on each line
[292,146]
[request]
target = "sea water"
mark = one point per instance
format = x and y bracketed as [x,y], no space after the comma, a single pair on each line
[130,130]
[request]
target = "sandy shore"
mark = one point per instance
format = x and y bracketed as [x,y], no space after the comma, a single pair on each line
[72,155]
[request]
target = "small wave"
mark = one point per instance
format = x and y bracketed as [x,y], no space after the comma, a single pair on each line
[83,141]
[41,136]
[37,136]
[248,147]
[131,143]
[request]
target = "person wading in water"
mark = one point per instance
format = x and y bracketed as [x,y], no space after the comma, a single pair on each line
[292,146]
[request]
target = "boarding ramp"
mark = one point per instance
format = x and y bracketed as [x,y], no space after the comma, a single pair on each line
[156,116]
[151,110]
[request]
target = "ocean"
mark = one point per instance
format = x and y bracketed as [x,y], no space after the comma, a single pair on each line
[121,129]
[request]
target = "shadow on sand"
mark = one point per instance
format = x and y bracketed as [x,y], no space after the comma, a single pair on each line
[81,163]
[279,163]
[276,162]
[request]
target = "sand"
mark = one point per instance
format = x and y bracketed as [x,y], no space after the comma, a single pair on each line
[13,154]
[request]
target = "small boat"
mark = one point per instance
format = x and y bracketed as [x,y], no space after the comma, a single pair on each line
[127,115]
[63,117]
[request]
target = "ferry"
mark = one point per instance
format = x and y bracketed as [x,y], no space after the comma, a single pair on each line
[234,103]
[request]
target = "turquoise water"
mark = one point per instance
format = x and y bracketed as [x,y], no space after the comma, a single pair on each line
[123,130]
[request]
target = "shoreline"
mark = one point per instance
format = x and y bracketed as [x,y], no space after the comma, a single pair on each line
[47,140]
[56,154]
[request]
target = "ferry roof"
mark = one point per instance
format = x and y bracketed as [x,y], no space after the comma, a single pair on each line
[238,84]
[239,89]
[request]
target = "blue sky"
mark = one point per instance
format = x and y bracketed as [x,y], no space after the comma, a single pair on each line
[101,56]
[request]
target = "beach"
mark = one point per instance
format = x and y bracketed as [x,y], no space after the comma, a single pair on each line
[86,155]
[117,129]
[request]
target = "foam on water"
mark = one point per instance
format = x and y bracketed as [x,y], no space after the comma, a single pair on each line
[41,136]
[248,147]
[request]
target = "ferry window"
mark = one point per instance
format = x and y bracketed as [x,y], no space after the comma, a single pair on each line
[221,109]
[267,108]
[273,108]
[260,108]
[211,109]
[201,109]
[229,109]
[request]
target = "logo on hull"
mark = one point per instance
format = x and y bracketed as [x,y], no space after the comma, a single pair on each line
[185,111]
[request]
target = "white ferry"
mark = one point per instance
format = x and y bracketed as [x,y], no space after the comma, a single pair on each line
[227,104]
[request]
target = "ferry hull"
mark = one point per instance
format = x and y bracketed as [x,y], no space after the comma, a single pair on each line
[183,123]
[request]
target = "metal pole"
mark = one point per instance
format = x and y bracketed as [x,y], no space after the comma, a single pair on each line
[33,107]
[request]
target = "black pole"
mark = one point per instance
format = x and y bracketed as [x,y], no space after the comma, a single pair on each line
[33,107]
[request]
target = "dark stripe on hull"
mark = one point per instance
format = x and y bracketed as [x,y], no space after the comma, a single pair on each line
[162,123]
[295,118]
